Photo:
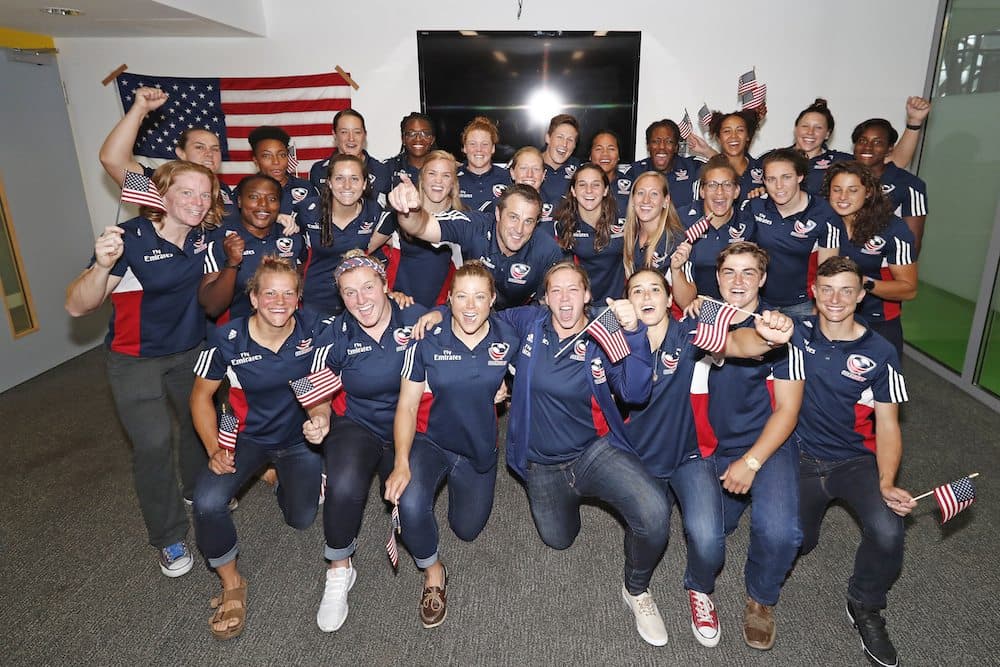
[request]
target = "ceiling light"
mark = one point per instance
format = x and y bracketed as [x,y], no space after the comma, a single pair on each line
[468,33]
[61,11]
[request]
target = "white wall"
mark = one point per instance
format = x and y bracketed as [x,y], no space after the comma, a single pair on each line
[864,57]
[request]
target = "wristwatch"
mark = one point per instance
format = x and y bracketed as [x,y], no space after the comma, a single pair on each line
[751,462]
[869,285]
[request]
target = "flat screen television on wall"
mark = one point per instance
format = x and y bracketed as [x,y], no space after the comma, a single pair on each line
[522,79]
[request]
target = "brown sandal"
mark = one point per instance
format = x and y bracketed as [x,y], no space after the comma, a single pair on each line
[230,605]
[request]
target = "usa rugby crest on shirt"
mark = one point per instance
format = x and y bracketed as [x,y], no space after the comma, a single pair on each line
[669,361]
[298,194]
[617,228]
[498,353]
[801,229]
[304,347]
[874,246]
[597,370]
[579,351]
[624,186]
[757,175]
[518,272]
[498,189]
[736,232]
[284,246]
[402,337]
[858,366]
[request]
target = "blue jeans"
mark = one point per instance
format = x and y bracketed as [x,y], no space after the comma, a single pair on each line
[694,486]
[353,455]
[470,499]
[151,394]
[300,470]
[618,478]
[879,558]
[775,529]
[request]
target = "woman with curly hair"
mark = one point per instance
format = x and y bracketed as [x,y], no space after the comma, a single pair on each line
[880,242]
[734,132]
[587,225]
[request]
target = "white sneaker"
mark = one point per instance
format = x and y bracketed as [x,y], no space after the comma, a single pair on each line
[648,621]
[333,607]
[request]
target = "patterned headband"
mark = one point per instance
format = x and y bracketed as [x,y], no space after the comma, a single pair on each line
[357,263]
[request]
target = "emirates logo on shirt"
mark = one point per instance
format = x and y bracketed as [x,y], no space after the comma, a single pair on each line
[802,229]
[298,194]
[874,246]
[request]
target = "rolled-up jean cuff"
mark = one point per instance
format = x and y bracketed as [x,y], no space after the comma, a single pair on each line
[424,563]
[227,557]
[340,554]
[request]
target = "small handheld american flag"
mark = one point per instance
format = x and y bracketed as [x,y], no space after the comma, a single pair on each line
[713,325]
[140,189]
[954,497]
[316,387]
[694,232]
[390,546]
[685,125]
[229,426]
[293,161]
[746,82]
[608,333]
[704,116]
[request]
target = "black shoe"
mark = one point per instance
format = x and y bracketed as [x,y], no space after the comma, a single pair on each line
[874,637]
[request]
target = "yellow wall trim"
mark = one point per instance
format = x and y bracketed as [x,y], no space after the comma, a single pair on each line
[16,39]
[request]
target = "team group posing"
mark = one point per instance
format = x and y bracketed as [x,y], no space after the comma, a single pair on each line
[351,274]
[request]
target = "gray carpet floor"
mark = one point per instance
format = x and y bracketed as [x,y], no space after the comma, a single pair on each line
[80,586]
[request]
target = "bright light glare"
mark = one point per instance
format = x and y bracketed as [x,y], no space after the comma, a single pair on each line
[543,104]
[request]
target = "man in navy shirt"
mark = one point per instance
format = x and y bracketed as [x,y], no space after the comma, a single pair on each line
[850,442]
[505,242]
[753,406]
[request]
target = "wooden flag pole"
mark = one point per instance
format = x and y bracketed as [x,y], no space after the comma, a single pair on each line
[347,77]
[114,74]
[931,492]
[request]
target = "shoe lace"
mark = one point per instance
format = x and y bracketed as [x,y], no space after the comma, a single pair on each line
[337,584]
[432,598]
[702,606]
[645,605]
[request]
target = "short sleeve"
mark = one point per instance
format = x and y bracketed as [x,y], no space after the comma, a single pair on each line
[212,363]
[413,364]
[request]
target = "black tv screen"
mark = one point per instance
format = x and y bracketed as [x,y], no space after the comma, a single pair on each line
[522,79]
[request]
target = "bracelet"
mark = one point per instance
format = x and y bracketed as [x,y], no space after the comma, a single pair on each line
[234,268]
[914,127]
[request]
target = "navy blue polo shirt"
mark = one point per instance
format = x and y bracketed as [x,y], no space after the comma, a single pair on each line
[368,368]
[682,175]
[845,380]
[519,276]
[605,268]
[700,267]
[907,192]
[741,391]
[790,242]
[276,243]
[294,191]
[477,189]
[660,260]
[557,182]
[669,409]
[319,292]
[621,187]
[893,246]
[259,393]
[155,308]
[379,180]
[397,165]
[457,411]
[813,182]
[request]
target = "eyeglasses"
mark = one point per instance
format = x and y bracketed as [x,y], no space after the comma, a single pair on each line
[713,186]
[417,134]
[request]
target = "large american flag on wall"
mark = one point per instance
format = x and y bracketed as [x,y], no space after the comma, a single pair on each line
[233,106]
